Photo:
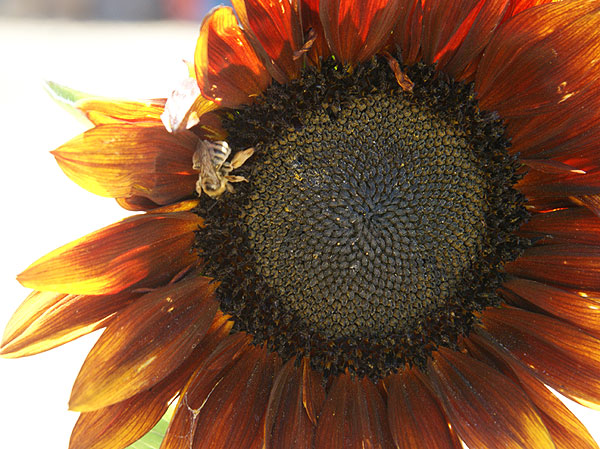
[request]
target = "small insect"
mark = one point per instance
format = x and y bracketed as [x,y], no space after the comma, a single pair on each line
[210,160]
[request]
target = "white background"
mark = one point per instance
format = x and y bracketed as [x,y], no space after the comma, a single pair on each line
[42,209]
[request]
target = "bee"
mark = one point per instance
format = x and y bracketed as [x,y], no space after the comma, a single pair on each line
[210,160]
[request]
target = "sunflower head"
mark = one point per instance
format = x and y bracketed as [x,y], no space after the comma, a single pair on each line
[366,224]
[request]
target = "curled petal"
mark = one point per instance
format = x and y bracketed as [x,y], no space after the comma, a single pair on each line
[145,343]
[275,27]
[121,424]
[143,250]
[125,160]
[353,416]
[354,30]
[185,107]
[558,354]
[484,407]
[415,416]
[227,69]
[46,320]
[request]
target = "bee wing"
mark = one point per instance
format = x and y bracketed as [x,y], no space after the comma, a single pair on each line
[240,157]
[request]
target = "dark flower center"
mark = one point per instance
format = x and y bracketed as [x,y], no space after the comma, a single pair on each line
[374,223]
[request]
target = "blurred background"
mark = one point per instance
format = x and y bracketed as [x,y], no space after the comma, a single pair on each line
[108,9]
[121,48]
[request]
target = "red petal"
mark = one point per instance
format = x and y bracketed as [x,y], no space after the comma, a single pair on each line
[566,430]
[311,20]
[579,308]
[558,354]
[275,26]
[409,30]
[228,70]
[517,6]
[353,417]
[540,58]
[415,416]
[46,320]
[571,265]
[354,30]
[485,408]
[313,393]
[456,52]
[126,160]
[576,225]
[143,250]
[287,424]
[145,343]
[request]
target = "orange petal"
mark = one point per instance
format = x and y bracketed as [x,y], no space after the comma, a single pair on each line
[185,106]
[275,27]
[287,423]
[566,430]
[144,343]
[559,354]
[540,58]
[228,70]
[570,265]
[102,111]
[353,416]
[354,30]
[415,416]
[143,250]
[183,425]
[121,424]
[579,308]
[484,407]
[128,160]
[311,20]
[517,6]
[46,320]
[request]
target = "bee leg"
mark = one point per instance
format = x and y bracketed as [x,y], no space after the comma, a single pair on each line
[233,178]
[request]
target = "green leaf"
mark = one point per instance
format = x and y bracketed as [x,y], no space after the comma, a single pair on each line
[67,98]
[154,437]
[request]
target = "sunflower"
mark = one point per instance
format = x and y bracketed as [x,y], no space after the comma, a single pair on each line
[366,224]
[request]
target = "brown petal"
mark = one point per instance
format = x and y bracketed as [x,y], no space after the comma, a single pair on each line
[409,30]
[540,58]
[484,407]
[144,343]
[225,401]
[121,424]
[416,418]
[275,27]
[228,70]
[579,308]
[123,160]
[566,430]
[102,111]
[576,224]
[570,265]
[313,393]
[353,417]
[287,423]
[46,320]
[558,354]
[354,30]
[143,250]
